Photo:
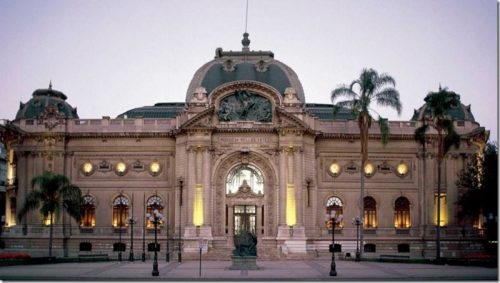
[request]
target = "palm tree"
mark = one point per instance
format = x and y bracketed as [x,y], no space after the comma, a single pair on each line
[436,116]
[54,193]
[371,87]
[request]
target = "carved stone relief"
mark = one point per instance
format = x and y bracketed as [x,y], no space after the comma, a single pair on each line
[245,105]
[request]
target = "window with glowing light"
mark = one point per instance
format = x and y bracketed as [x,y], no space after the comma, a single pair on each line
[245,175]
[120,211]
[443,219]
[46,219]
[334,204]
[87,219]
[154,203]
[370,206]
[402,218]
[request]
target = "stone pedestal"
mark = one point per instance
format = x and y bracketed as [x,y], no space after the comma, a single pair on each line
[192,236]
[295,244]
[244,263]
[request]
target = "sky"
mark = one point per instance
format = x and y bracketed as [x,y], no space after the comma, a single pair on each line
[109,56]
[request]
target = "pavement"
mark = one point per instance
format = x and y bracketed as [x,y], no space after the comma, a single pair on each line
[289,270]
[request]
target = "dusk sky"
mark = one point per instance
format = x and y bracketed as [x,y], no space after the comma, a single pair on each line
[112,56]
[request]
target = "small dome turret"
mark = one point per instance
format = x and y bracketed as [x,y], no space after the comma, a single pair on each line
[45,101]
[458,113]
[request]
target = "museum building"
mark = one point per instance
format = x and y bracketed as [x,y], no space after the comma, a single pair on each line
[244,152]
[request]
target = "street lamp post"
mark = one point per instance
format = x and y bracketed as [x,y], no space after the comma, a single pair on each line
[358,222]
[167,256]
[334,220]
[155,218]
[201,244]
[120,236]
[143,256]
[131,221]
[180,222]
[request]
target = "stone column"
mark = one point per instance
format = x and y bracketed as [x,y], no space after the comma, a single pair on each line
[190,186]
[291,205]
[230,225]
[207,181]
[282,187]
[299,186]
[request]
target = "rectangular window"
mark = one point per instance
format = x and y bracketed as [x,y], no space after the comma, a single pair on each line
[443,219]
[88,217]
[402,219]
[370,219]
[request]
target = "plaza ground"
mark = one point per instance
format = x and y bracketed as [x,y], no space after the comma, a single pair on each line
[301,270]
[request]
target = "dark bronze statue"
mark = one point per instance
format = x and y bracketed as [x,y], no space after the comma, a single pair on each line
[245,244]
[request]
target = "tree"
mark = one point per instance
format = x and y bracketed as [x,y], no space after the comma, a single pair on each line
[480,181]
[437,106]
[371,87]
[52,193]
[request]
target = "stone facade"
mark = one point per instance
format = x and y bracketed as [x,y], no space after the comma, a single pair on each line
[186,161]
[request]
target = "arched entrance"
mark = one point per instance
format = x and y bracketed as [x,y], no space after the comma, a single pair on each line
[245,186]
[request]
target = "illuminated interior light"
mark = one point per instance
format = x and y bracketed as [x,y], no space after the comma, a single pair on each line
[121,167]
[335,169]
[402,169]
[369,169]
[87,168]
[155,168]
[291,216]
[198,205]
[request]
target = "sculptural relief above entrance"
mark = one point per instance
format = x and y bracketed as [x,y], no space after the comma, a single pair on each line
[245,105]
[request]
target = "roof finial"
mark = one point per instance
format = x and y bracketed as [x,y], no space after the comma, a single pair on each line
[50,84]
[246,17]
[245,41]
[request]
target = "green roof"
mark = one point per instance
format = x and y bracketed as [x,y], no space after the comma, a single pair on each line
[325,112]
[273,76]
[171,110]
[158,111]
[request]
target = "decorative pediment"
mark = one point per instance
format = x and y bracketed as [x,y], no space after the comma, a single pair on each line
[200,120]
[289,120]
[245,191]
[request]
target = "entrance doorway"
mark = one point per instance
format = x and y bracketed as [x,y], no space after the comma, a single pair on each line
[245,219]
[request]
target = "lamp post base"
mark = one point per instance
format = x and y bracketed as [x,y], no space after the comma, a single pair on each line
[333,270]
[358,257]
[155,268]
[143,257]
[131,256]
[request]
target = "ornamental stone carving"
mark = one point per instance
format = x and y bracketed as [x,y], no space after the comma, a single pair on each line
[290,96]
[245,105]
[199,96]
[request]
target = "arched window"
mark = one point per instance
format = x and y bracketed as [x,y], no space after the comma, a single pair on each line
[245,176]
[370,212]
[120,211]
[154,203]
[87,219]
[402,218]
[334,204]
